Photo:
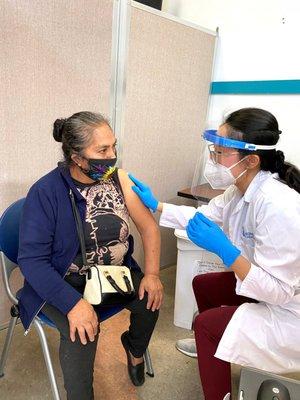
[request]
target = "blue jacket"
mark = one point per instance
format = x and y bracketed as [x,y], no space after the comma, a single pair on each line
[49,243]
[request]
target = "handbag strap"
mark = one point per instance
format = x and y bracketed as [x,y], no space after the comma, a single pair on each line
[79,228]
[117,287]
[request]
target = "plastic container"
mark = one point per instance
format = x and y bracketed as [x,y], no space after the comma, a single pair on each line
[191,261]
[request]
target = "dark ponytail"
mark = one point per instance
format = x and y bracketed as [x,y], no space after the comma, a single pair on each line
[75,132]
[254,125]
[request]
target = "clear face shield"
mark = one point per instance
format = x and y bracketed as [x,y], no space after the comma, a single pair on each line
[208,168]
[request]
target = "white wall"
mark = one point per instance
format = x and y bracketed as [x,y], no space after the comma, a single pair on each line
[258,40]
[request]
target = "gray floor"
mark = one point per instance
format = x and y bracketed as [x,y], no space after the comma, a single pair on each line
[176,376]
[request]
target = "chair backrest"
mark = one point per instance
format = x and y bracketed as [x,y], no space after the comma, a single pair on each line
[9,243]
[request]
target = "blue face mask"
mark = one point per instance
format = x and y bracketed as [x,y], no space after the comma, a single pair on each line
[100,169]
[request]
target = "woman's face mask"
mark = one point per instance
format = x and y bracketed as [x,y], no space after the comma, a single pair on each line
[219,176]
[100,168]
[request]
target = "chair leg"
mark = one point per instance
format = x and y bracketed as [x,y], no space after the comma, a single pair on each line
[9,335]
[149,368]
[47,357]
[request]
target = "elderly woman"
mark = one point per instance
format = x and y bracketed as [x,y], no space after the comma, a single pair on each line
[50,257]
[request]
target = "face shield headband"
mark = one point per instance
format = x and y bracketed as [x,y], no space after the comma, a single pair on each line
[211,136]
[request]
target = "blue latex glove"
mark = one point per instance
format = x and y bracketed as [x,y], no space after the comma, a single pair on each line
[208,235]
[144,193]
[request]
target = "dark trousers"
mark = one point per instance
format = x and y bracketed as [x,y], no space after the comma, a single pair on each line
[212,291]
[77,360]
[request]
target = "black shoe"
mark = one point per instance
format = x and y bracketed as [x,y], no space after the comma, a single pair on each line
[136,372]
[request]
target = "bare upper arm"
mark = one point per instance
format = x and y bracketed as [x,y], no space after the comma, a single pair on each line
[140,214]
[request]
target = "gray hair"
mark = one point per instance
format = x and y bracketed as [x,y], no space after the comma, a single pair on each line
[75,132]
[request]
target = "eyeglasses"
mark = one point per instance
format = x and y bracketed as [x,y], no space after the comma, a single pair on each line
[214,154]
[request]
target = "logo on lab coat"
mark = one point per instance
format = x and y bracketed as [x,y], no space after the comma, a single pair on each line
[248,235]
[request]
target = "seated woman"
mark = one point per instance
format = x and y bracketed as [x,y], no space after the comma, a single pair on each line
[51,262]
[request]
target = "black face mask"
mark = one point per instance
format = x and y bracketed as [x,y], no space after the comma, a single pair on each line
[100,168]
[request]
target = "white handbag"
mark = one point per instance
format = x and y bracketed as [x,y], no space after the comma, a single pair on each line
[105,284]
[108,285]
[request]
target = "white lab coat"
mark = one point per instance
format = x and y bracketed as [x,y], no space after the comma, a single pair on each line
[265,225]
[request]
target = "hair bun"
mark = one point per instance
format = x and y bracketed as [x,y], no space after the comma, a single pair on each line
[58,128]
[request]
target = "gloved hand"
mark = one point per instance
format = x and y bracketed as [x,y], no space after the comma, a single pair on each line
[208,235]
[144,193]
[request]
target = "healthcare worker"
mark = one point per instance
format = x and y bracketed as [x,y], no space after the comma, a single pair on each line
[254,227]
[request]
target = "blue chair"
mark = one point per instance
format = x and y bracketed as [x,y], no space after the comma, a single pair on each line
[9,243]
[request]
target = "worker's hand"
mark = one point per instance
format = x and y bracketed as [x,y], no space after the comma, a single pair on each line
[208,235]
[153,286]
[144,193]
[83,318]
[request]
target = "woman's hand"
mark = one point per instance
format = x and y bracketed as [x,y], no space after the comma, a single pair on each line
[145,194]
[153,286]
[83,318]
[208,235]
